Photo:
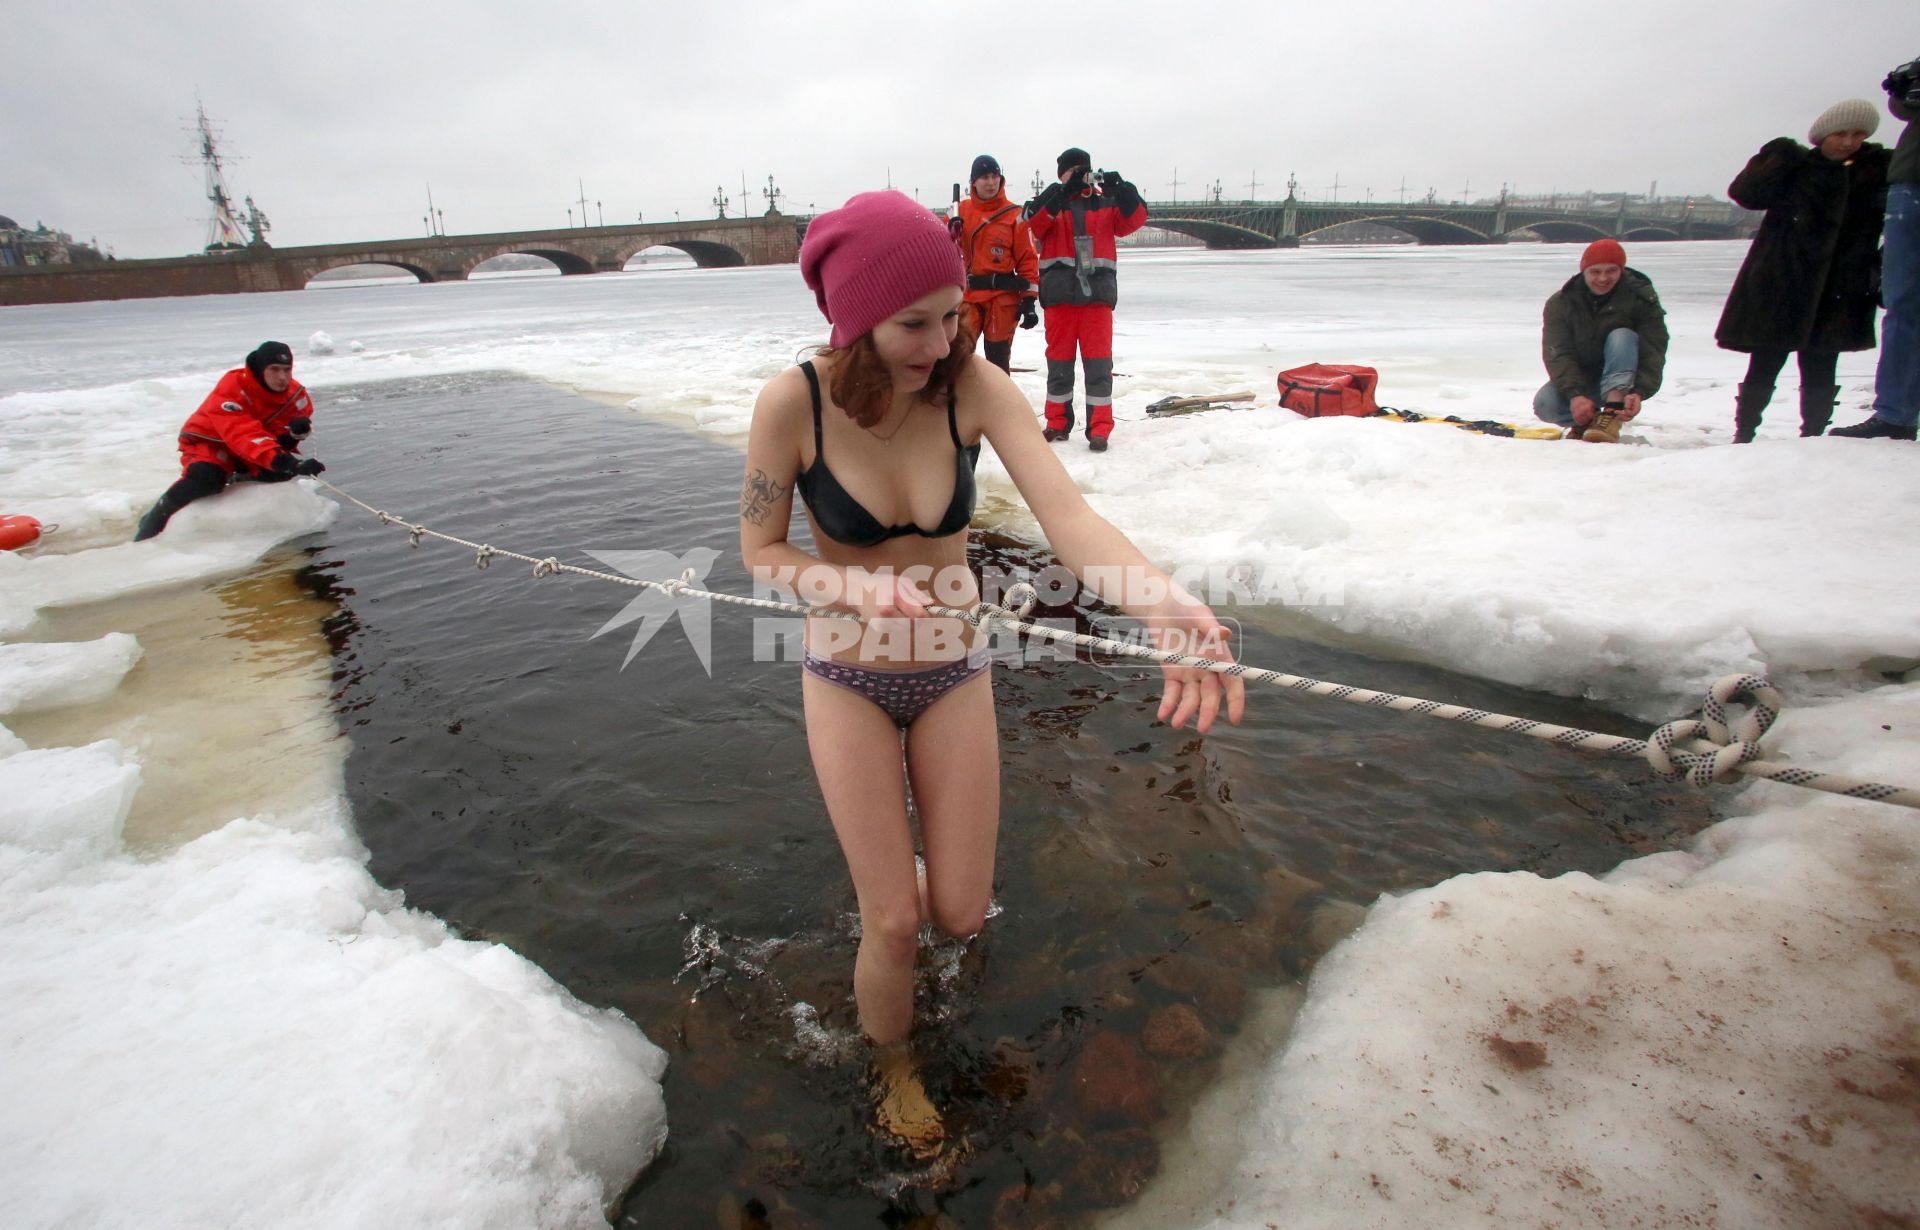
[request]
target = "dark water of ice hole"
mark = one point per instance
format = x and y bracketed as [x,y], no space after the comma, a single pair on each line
[654,838]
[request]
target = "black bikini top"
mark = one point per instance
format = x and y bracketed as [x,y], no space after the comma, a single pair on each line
[842,519]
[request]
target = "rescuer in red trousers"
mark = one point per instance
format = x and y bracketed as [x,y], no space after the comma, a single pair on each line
[1002,272]
[250,426]
[1074,224]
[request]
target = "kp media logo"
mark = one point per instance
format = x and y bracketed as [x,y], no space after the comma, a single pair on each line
[653,609]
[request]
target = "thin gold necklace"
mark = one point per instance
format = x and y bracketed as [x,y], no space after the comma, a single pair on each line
[888,438]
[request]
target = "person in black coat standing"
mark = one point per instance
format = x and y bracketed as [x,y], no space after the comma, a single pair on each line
[1811,280]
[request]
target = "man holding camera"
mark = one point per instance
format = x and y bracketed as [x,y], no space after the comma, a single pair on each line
[1074,225]
[1896,397]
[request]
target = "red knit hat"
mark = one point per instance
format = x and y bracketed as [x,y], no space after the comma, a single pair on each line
[1603,252]
[873,256]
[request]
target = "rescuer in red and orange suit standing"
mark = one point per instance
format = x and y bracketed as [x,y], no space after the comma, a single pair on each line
[1075,223]
[1003,274]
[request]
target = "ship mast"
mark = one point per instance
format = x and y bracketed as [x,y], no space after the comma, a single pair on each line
[223,228]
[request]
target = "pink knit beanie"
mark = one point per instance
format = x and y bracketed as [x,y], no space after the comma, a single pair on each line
[873,256]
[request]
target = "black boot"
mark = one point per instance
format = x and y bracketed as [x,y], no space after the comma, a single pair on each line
[1816,408]
[202,479]
[1748,406]
[156,518]
[1875,428]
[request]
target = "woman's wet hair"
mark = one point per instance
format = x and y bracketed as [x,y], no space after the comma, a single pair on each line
[863,387]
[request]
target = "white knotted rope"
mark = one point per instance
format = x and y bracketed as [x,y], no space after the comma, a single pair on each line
[1712,748]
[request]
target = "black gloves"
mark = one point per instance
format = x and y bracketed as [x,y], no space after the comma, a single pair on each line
[300,429]
[287,463]
[1110,180]
[287,440]
[1028,316]
[1053,200]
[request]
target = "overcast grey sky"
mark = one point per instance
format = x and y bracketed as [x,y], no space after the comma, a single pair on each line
[337,115]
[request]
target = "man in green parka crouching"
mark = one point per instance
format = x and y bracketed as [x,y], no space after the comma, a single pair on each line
[1605,345]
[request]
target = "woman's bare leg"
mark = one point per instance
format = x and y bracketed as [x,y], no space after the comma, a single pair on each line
[953,761]
[857,758]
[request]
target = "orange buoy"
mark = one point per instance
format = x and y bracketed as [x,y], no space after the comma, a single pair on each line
[17,532]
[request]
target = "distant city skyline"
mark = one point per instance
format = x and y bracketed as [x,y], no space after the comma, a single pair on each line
[336,121]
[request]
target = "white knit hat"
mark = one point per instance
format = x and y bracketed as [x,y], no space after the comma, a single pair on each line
[1847,115]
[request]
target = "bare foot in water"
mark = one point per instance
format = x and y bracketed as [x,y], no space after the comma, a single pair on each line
[905,1112]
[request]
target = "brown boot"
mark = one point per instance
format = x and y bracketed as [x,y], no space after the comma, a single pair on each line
[1605,428]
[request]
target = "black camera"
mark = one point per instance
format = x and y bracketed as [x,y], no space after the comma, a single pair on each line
[1903,85]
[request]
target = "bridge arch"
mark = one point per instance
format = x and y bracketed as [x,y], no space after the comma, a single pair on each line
[1435,231]
[420,272]
[1651,234]
[563,260]
[1217,235]
[658,255]
[706,253]
[1561,230]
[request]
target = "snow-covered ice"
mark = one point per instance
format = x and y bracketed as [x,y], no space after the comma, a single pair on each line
[1721,1035]
[228,1021]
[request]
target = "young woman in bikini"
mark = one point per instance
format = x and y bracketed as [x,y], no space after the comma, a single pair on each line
[879,434]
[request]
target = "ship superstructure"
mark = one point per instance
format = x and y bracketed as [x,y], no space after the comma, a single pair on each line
[225,230]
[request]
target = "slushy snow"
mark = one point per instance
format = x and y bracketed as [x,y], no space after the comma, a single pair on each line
[1723,1035]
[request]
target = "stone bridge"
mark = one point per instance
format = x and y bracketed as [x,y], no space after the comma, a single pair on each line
[716,243]
[1283,224]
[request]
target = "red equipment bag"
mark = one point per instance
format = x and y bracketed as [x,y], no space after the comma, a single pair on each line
[1321,389]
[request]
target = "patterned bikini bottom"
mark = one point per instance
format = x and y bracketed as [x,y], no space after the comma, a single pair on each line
[904,695]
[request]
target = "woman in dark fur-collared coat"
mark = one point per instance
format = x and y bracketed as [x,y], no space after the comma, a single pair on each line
[1811,281]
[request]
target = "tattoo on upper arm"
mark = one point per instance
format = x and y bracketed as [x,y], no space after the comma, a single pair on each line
[758,495]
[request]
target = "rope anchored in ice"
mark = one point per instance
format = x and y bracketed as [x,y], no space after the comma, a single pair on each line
[1711,748]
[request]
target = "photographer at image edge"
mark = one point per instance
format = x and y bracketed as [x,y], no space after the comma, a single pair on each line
[1808,285]
[1896,385]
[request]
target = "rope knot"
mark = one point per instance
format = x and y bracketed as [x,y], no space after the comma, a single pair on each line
[547,567]
[679,585]
[1017,601]
[1713,747]
[483,556]
[413,534]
